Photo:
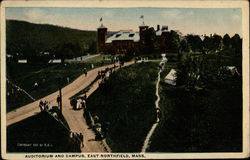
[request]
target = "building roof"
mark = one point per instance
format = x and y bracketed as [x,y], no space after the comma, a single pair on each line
[124,35]
[171,77]
[162,30]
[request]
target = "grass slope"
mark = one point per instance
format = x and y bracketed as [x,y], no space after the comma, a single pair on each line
[40,133]
[25,75]
[202,121]
[126,103]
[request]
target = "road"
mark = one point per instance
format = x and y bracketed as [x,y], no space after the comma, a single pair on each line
[74,118]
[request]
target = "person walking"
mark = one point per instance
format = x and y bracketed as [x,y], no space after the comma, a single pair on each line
[104,129]
[45,104]
[49,106]
[83,104]
[96,119]
[41,105]
[85,97]
[98,136]
[158,115]
[81,139]
[58,99]
[85,72]
[35,85]
[80,103]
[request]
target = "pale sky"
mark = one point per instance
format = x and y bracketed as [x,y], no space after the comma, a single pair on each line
[186,20]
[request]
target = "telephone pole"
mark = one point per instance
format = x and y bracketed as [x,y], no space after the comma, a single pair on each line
[60,94]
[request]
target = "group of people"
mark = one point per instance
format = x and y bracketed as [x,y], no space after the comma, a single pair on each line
[79,103]
[141,60]
[78,138]
[97,127]
[44,106]
[104,74]
[94,123]
[100,130]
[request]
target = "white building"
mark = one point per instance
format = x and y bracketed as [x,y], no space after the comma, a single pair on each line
[171,77]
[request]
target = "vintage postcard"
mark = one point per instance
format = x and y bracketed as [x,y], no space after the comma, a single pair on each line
[124,79]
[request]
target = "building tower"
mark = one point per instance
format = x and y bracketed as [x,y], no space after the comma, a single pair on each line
[142,29]
[101,38]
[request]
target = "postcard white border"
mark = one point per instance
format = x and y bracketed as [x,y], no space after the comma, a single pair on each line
[139,3]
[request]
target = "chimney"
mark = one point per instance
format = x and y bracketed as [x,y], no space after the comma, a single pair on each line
[158,27]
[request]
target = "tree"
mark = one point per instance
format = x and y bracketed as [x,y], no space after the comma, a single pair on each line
[30,51]
[150,41]
[195,42]
[207,43]
[67,50]
[217,42]
[226,41]
[189,71]
[173,42]
[92,47]
[184,46]
[237,43]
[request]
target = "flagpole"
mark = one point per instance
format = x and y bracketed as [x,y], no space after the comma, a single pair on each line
[101,20]
[142,17]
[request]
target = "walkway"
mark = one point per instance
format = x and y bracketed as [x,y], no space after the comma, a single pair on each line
[150,133]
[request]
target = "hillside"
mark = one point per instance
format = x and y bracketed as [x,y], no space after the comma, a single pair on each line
[40,133]
[125,113]
[28,38]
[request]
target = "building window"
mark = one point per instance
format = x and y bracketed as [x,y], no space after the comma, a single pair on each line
[117,35]
[131,35]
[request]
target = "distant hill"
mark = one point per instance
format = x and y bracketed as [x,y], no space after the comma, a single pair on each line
[25,37]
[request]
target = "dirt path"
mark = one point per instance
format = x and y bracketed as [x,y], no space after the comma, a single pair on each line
[151,131]
[74,118]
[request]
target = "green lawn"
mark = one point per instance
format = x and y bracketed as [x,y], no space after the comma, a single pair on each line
[208,120]
[126,105]
[50,135]
[96,59]
[48,76]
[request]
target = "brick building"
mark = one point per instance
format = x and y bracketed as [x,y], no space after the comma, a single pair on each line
[129,42]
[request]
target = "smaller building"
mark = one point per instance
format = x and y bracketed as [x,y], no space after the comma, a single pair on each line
[171,77]
[233,70]
[22,61]
[55,61]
